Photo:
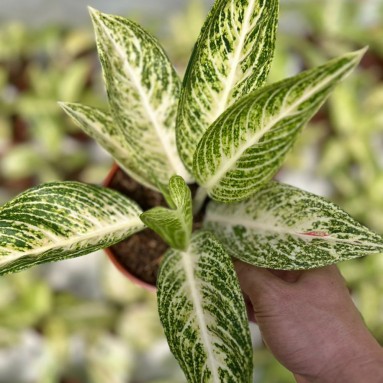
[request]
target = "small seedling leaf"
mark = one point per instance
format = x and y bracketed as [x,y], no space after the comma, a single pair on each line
[174,226]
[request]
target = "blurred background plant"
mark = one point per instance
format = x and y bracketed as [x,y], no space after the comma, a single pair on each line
[79,321]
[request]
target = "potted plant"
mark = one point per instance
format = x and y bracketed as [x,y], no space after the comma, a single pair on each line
[222,129]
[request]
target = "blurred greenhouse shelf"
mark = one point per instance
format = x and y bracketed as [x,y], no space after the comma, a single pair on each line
[80,321]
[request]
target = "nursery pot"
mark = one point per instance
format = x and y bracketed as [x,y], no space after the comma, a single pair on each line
[137,257]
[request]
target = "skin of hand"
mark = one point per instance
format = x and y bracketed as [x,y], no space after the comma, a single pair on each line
[309,322]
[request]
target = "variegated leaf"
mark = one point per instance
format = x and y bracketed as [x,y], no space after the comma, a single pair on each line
[245,147]
[232,57]
[174,226]
[63,220]
[203,314]
[282,227]
[101,127]
[143,91]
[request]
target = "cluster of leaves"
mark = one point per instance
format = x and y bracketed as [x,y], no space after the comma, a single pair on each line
[227,130]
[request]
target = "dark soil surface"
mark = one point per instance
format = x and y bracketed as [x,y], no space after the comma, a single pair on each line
[141,253]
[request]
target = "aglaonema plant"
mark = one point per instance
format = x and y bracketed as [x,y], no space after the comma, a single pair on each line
[222,128]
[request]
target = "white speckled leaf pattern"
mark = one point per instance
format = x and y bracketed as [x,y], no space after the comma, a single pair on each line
[282,227]
[203,313]
[101,127]
[143,91]
[62,220]
[174,226]
[245,147]
[232,57]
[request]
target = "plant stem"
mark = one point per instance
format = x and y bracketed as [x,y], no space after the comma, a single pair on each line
[198,200]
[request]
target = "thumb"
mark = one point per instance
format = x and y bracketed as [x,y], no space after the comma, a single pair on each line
[268,291]
[257,282]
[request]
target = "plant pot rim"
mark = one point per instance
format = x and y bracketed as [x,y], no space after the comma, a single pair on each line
[109,252]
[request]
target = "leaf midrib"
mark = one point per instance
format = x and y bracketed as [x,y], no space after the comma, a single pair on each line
[114,144]
[158,127]
[136,222]
[230,81]
[262,227]
[197,299]
[228,164]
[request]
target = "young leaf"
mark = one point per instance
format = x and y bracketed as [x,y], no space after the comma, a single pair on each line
[174,226]
[101,127]
[203,313]
[232,57]
[282,227]
[62,220]
[244,148]
[143,91]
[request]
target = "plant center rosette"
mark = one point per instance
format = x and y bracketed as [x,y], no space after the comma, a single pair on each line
[139,256]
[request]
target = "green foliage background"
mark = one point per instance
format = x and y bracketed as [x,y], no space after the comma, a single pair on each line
[80,321]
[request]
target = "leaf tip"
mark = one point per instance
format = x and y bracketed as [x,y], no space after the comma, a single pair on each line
[363,50]
[64,106]
[93,12]
[67,107]
[96,16]
[358,55]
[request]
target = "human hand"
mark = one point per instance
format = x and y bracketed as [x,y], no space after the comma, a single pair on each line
[311,325]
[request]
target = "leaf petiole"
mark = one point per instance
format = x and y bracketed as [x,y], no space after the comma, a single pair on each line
[199,200]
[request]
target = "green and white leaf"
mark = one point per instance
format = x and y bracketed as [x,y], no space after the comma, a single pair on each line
[62,220]
[232,57]
[143,91]
[245,147]
[203,313]
[173,226]
[101,127]
[282,227]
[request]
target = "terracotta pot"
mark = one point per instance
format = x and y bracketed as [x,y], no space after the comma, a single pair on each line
[109,251]
[111,254]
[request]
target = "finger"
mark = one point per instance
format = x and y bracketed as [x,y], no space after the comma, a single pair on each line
[255,279]
[324,274]
[290,276]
